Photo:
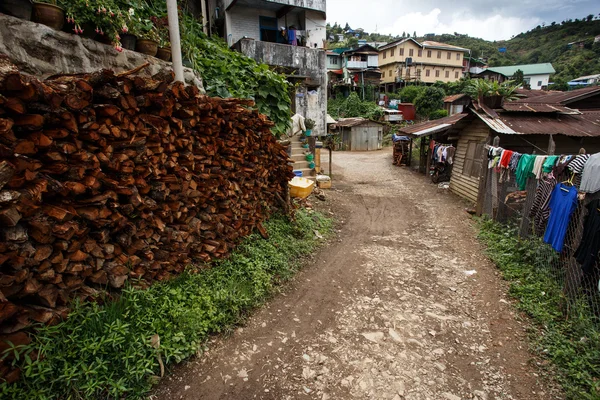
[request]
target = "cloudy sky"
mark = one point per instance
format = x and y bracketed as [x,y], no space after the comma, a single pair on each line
[488,19]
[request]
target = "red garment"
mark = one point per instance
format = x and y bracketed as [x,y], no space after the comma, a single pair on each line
[505,160]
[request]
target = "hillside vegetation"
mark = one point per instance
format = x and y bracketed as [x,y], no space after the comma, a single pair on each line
[542,44]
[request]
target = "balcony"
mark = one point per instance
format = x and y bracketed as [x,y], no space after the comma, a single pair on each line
[357,64]
[301,62]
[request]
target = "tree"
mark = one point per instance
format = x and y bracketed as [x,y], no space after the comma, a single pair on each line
[559,84]
[430,100]
[352,42]
[518,77]
[589,17]
[403,35]
[415,34]
[347,27]
[410,93]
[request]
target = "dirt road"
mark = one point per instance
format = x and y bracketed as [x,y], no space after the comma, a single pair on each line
[401,305]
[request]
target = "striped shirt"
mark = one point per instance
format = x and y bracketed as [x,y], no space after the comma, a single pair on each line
[576,166]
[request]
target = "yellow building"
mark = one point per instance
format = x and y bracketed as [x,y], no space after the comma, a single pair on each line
[407,60]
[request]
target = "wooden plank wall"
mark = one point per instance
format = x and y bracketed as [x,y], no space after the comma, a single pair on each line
[463,185]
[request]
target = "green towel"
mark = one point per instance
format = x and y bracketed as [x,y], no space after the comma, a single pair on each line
[549,163]
[524,169]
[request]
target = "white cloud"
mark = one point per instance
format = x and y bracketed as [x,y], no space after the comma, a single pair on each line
[492,27]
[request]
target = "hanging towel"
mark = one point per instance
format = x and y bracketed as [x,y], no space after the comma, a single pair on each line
[562,163]
[537,166]
[549,164]
[524,170]
[590,179]
[505,159]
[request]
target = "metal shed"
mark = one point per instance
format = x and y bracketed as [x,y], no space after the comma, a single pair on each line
[360,134]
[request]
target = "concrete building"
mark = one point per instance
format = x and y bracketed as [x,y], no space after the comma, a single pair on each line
[253,27]
[408,60]
[536,76]
[587,80]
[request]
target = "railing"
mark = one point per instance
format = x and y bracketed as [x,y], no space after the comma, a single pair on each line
[357,64]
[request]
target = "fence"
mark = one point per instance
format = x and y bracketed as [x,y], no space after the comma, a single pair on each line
[505,203]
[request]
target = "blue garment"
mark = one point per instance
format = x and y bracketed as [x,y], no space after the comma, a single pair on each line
[562,204]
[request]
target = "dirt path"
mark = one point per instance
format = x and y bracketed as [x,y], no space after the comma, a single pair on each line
[402,305]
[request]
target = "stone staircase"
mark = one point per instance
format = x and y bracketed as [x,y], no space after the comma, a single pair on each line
[298,155]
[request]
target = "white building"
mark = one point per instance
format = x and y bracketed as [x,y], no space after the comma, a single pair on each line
[587,80]
[537,76]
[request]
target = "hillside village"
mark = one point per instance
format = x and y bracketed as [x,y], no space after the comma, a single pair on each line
[235,199]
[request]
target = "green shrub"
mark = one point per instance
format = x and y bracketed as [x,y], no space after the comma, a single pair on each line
[353,106]
[431,99]
[571,342]
[437,114]
[103,350]
[410,93]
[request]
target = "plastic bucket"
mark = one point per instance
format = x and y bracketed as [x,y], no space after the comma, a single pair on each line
[309,157]
[298,173]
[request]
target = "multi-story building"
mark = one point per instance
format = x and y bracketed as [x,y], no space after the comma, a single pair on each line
[408,60]
[253,27]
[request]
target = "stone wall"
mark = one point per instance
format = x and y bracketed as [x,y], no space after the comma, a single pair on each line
[41,51]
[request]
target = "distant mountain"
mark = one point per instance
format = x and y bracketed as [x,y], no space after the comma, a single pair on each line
[568,45]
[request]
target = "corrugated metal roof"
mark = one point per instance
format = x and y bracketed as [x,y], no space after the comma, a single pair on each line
[528,69]
[564,98]
[538,107]
[586,124]
[349,122]
[429,127]
[454,97]
[438,45]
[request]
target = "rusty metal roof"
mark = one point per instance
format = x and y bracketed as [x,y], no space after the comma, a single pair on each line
[430,127]
[585,124]
[538,107]
[454,97]
[563,98]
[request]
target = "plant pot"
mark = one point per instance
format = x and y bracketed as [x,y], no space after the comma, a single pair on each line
[128,41]
[17,8]
[164,53]
[49,15]
[146,46]
[308,132]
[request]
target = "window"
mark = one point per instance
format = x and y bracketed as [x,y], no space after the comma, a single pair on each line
[384,54]
[539,83]
[401,51]
[420,52]
[437,73]
[439,54]
[472,165]
[458,56]
[427,72]
[392,51]
[428,53]
[447,74]
[418,73]
[269,31]
[410,52]
[334,60]
[449,55]
[456,75]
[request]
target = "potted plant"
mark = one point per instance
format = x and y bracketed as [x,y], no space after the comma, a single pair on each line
[164,44]
[49,14]
[310,124]
[147,41]
[17,8]
[128,26]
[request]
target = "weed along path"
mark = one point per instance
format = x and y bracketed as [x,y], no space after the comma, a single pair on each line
[402,304]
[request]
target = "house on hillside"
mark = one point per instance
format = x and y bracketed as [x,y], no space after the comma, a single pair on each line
[252,27]
[566,120]
[536,76]
[408,60]
[585,81]
[361,66]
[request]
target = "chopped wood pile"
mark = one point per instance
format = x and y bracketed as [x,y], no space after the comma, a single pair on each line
[106,177]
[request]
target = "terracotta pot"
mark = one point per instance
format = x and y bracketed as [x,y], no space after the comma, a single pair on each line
[128,41]
[17,8]
[164,53]
[49,15]
[146,46]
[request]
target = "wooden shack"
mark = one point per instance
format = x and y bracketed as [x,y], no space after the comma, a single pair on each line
[360,134]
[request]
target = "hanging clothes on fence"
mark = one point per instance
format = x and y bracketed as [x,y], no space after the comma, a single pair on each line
[450,150]
[524,170]
[540,211]
[514,160]
[590,179]
[587,252]
[549,164]
[577,164]
[563,202]
[537,166]
[505,159]
[561,164]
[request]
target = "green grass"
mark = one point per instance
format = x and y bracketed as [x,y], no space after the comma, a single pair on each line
[571,341]
[104,351]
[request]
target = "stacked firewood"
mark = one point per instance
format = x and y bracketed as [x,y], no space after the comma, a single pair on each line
[107,177]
